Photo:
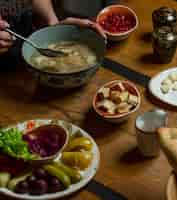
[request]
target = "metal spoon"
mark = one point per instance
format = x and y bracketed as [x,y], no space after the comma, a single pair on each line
[44,51]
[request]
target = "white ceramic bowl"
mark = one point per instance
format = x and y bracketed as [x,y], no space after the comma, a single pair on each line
[121,10]
[118,118]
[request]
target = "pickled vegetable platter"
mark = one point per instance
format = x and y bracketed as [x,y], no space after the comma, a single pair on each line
[71,169]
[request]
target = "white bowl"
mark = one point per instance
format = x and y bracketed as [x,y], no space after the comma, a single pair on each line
[118,9]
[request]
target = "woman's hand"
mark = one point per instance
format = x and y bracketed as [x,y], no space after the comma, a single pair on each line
[6,40]
[84,23]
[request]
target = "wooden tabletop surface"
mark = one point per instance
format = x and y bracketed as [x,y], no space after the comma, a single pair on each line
[122,168]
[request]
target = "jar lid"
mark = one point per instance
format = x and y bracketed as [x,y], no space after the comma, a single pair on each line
[164,14]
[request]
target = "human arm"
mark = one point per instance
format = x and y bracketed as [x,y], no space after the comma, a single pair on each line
[44,9]
[84,23]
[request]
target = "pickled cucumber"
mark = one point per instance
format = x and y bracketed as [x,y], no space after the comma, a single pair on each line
[61,175]
[13,182]
[72,173]
[4,179]
[80,160]
[79,144]
[75,135]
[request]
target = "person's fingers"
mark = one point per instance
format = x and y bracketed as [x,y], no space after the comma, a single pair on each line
[5,36]
[77,21]
[89,24]
[98,28]
[3,24]
[71,20]
[5,44]
[85,23]
[53,20]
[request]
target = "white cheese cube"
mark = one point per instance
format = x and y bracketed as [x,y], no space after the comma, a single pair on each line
[105,92]
[107,105]
[173,76]
[174,87]
[133,100]
[165,88]
[124,96]
[167,81]
[123,107]
[115,97]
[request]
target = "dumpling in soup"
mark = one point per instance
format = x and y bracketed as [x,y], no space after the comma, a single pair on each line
[78,57]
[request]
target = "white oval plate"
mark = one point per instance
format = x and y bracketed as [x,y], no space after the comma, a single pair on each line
[87,174]
[155,84]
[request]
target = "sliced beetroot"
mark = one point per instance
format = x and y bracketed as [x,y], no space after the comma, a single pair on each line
[12,165]
[46,140]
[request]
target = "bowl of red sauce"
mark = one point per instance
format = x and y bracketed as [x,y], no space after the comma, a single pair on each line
[117,100]
[117,21]
[46,142]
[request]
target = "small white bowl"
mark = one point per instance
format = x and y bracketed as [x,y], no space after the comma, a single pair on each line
[118,118]
[119,9]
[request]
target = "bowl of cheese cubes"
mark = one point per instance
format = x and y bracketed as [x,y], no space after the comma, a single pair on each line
[116,100]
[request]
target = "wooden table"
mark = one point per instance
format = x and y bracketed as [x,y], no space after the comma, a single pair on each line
[122,168]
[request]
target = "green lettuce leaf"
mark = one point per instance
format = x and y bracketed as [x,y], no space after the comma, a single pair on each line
[12,143]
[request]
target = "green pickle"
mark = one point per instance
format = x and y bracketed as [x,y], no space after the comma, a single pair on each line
[79,144]
[60,174]
[13,182]
[80,160]
[72,173]
[4,179]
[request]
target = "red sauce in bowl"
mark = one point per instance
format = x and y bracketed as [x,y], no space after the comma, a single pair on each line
[117,19]
[116,23]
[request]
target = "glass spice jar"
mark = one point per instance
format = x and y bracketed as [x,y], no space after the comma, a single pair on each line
[164,43]
[165,16]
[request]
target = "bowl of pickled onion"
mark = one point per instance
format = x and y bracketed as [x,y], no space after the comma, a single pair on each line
[47,142]
[117,21]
